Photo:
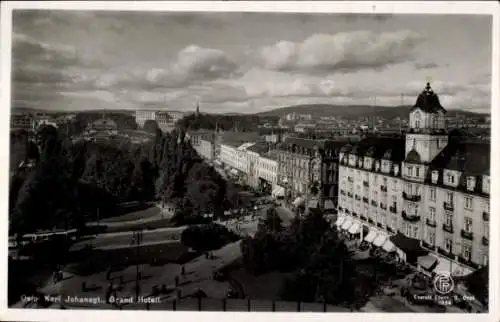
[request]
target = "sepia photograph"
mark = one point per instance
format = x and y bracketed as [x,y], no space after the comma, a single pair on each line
[238,161]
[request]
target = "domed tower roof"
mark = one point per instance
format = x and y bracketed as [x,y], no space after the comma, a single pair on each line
[413,157]
[428,101]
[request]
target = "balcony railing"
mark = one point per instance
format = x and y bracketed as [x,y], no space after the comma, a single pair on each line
[467,234]
[374,203]
[365,183]
[430,223]
[393,209]
[486,216]
[365,200]
[410,218]
[411,197]
[383,188]
[485,241]
[448,206]
[448,228]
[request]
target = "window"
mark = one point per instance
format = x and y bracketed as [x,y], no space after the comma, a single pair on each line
[466,251]
[450,178]
[431,237]
[432,194]
[417,169]
[448,219]
[385,181]
[448,245]
[415,232]
[468,224]
[470,183]
[449,197]
[409,171]
[394,201]
[468,202]
[432,213]
[485,260]
[486,230]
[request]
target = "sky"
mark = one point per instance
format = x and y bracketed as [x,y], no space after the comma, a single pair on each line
[246,62]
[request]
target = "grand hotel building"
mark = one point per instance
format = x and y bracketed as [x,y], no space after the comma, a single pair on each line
[430,185]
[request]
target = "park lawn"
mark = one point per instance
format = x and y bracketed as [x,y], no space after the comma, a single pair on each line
[135,215]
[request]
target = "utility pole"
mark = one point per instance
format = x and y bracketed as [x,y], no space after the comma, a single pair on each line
[137,239]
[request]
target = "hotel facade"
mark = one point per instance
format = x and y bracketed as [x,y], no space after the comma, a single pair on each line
[430,185]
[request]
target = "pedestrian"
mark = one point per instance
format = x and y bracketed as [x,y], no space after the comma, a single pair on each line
[183,270]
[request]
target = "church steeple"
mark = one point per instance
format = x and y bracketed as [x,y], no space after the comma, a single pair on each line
[197,109]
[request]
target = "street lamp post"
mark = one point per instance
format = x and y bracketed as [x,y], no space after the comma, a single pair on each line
[137,239]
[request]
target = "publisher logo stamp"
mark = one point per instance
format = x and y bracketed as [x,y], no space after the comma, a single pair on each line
[443,283]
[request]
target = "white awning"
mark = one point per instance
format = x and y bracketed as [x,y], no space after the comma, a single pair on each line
[459,270]
[347,223]
[279,192]
[355,228]
[389,246]
[444,266]
[329,205]
[313,204]
[339,221]
[447,266]
[427,261]
[380,239]
[371,236]
[298,201]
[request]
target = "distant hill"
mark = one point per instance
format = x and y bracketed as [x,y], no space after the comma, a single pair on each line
[353,111]
[48,111]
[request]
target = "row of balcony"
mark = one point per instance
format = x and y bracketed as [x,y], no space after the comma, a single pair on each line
[446,205]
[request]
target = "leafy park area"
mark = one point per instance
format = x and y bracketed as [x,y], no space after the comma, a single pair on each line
[312,256]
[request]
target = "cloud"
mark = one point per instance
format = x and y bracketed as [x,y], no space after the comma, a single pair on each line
[343,51]
[192,65]
[425,65]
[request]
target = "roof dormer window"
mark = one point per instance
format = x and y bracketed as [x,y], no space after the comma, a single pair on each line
[450,178]
[471,183]
[435,176]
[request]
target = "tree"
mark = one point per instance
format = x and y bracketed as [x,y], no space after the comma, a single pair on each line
[272,221]
[151,126]
[207,237]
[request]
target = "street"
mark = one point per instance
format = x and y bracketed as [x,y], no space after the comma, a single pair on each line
[124,239]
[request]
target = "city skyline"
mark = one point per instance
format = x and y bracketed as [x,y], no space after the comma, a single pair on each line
[244,63]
